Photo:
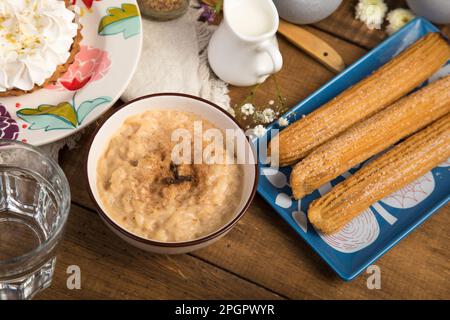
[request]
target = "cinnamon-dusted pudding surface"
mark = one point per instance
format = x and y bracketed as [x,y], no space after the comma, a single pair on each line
[145,192]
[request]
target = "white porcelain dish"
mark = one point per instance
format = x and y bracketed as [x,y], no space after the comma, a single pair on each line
[102,69]
[243,51]
[178,102]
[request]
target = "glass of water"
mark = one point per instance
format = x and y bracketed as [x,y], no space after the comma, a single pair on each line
[34,206]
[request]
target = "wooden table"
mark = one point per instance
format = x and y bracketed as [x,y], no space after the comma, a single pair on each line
[262,258]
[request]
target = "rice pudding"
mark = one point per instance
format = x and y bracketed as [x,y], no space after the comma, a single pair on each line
[147,194]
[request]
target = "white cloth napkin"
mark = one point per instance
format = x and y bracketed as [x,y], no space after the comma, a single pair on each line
[174,59]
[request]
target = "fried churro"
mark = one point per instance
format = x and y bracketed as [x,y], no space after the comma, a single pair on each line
[393,170]
[389,83]
[371,136]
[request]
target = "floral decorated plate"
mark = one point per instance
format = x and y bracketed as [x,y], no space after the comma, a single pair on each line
[386,222]
[110,50]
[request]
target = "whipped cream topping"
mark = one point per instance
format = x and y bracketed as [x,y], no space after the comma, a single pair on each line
[35,38]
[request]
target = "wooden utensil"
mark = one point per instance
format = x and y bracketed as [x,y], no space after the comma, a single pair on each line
[312,45]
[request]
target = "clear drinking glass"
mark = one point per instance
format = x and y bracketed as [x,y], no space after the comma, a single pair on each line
[34,206]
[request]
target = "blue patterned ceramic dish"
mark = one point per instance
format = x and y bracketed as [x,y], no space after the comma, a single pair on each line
[380,227]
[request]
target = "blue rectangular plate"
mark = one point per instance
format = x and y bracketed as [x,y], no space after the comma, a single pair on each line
[379,228]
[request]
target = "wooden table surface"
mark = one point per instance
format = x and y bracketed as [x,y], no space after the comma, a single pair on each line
[261,258]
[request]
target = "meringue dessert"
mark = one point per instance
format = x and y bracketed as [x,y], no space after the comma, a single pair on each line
[38,41]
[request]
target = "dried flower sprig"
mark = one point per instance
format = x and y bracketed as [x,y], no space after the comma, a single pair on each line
[211,8]
[248,109]
[259,131]
[283,122]
[257,117]
[397,18]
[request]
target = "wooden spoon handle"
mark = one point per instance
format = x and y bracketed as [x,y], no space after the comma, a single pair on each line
[312,45]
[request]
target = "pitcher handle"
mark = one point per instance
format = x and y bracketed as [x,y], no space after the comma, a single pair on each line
[275,55]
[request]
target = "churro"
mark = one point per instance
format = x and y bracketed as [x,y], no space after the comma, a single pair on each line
[371,136]
[393,170]
[389,83]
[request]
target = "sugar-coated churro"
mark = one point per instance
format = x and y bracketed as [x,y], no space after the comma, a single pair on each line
[393,170]
[371,136]
[392,81]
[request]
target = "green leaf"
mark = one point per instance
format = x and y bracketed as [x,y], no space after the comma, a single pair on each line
[87,106]
[124,20]
[49,117]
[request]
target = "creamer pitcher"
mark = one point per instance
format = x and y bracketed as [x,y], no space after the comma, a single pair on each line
[244,50]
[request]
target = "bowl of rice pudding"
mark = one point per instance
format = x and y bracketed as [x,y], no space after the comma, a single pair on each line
[171,173]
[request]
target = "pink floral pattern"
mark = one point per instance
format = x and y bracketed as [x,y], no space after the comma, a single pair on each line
[91,64]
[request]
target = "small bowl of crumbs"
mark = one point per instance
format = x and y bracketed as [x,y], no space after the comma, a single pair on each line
[171,173]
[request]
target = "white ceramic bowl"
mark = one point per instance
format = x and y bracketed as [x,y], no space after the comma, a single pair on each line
[306,11]
[179,102]
[437,11]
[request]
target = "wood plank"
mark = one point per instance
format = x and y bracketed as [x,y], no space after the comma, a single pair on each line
[342,24]
[264,250]
[271,254]
[112,269]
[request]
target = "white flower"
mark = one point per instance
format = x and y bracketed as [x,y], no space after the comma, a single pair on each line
[397,19]
[268,115]
[248,109]
[371,12]
[283,122]
[259,130]
[271,102]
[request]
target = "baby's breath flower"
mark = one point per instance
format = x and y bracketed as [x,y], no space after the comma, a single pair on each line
[268,115]
[371,12]
[283,122]
[259,130]
[397,19]
[248,109]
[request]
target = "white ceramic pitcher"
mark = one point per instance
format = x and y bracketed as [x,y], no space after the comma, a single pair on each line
[244,50]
